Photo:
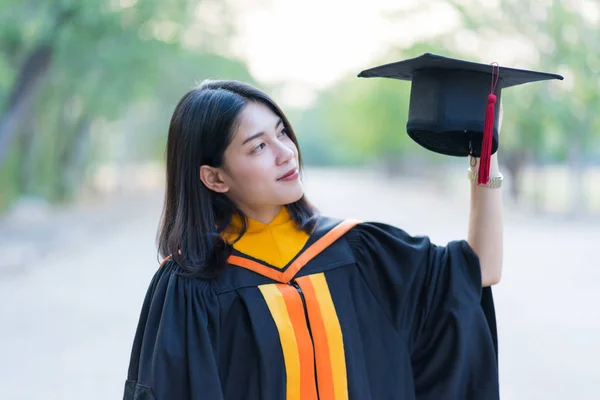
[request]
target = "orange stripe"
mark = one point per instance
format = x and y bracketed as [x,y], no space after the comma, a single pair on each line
[287,337]
[335,338]
[317,324]
[338,231]
[310,253]
[167,258]
[258,268]
[308,390]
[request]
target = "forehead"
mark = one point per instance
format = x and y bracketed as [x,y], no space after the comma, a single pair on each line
[256,117]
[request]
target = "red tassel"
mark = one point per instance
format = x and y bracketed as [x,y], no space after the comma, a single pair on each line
[488,132]
[486,144]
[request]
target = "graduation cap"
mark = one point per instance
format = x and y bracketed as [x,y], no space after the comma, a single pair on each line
[454,103]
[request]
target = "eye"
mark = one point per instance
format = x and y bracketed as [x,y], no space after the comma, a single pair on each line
[284,131]
[259,147]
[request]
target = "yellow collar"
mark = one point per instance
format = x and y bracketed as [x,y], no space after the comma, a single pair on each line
[275,243]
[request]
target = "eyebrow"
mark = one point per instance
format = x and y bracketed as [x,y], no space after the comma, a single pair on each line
[259,134]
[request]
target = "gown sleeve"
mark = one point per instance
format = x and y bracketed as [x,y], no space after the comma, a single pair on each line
[174,350]
[434,298]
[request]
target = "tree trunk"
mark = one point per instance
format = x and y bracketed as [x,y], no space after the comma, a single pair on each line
[30,78]
[576,162]
[27,158]
[538,184]
[73,158]
[514,161]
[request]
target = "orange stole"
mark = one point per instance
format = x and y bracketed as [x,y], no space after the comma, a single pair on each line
[286,307]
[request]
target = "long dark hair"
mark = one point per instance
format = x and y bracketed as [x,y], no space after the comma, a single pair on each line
[201,128]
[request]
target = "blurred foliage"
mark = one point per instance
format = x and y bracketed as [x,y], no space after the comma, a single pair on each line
[554,122]
[82,81]
[86,82]
[364,120]
[360,122]
[545,122]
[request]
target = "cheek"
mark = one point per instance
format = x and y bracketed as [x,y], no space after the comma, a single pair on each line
[251,173]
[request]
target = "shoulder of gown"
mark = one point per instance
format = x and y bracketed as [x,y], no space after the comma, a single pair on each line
[174,349]
[389,255]
[433,296]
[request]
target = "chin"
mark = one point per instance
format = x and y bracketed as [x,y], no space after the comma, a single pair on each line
[292,195]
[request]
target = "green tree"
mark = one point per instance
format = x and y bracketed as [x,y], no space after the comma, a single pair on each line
[71,65]
[561,120]
[364,120]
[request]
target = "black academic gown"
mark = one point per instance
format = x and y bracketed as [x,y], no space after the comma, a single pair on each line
[374,314]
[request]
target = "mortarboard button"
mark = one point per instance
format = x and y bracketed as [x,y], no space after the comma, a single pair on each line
[454,103]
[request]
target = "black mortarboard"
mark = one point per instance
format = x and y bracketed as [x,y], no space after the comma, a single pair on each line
[450,102]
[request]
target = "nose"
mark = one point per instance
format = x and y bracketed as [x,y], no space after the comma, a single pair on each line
[284,155]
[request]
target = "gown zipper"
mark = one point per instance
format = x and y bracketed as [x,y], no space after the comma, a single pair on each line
[301,293]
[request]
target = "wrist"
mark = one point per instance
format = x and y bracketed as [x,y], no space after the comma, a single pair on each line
[495,180]
[494,164]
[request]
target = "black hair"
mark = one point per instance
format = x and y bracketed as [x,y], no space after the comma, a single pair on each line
[201,128]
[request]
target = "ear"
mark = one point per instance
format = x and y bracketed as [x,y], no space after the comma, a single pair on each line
[213,179]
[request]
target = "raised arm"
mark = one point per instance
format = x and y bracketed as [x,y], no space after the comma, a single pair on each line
[486,225]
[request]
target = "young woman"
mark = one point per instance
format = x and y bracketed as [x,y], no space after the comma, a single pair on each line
[260,297]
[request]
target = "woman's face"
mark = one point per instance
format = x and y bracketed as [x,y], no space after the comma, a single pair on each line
[260,168]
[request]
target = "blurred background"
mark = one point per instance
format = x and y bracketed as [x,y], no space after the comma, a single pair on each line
[87,88]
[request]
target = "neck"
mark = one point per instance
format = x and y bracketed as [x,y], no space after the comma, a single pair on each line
[263,215]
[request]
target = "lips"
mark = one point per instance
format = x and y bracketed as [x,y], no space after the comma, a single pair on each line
[288,174]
